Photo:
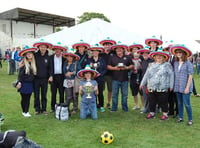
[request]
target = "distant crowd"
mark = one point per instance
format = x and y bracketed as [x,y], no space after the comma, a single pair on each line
[161,76]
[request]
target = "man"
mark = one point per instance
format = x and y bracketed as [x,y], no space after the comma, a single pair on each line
[11,62]
[119,64]
[43,76]
[57,61]
[107,43]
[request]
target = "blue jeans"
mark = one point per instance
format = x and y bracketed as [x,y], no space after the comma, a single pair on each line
[184,98]
[198,69]
[88,108]
[116,85]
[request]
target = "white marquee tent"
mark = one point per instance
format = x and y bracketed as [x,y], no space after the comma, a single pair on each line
[92,32]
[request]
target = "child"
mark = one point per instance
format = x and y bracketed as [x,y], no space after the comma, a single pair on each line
[27,72]
[70,69]
[88,90]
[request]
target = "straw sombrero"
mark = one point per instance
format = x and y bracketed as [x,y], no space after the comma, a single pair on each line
[159,52]
[107,40]
[27,49]
[88,69]
[70,52]
[134,45]
[153,39]
[180,47]
[81,43]
[119,44]
[97,47]
[58,46]
[42,42]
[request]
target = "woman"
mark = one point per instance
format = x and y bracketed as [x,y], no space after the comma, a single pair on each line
[26,75]
[153,43]
[183,86]
[159,78]
[135,74]
[70,69]
[99,65]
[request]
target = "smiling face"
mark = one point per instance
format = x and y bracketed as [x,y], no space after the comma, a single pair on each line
[69,58]
[57,51]
[159,58]
[81,49]
[95,53]
[87,75]
[29,55]
[43,49]
[119,50]
[107,46]
[153,44]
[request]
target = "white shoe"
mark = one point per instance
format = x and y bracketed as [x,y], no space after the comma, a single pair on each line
[28,114]
[24,114]
[136,108]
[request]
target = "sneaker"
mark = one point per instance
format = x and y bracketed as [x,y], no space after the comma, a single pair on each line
[179,120]
[28,114]
[108,106]
[136,108]
[150,116]
[23,114]
[102,109]
[164,117]
[190,123]
[37,113]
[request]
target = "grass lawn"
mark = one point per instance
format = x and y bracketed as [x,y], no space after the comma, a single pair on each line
[130,130]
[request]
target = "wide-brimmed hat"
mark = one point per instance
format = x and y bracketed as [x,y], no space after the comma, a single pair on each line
[160,52]
[107,40]
[70,52]
[81,43]
[59,46]
[119,44]
[153,39]
[42,42]
[27,49]
[180,47]
[145,49]
[88,69]
[97,47]
[134,45]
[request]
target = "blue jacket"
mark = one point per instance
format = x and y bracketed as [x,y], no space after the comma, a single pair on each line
[74,67]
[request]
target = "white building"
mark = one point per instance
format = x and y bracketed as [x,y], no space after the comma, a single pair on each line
[19,27]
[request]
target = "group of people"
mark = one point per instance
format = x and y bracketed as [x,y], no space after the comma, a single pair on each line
[162,77]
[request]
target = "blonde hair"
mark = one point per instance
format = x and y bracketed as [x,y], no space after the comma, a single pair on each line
[31,66]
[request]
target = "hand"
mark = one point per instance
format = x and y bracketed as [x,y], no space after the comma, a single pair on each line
[50,79]
[68,74]
[171,89]
[21,64]
[19,85]
[186,91]
[141,87]
[123,68]
[117,68]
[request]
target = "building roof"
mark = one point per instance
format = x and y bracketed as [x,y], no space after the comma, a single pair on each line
[25,15]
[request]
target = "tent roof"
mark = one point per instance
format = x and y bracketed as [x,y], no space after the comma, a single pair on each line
[92,32]
[25,15]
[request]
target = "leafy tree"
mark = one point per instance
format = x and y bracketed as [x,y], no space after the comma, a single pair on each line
[86,16]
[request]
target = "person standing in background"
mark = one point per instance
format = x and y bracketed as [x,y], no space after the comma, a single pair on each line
[11,62]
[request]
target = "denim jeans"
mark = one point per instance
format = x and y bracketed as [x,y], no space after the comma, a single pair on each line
[116,85]
[184,98]
[88,108]
[198,69]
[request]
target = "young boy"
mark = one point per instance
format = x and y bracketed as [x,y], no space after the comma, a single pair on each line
[88,90]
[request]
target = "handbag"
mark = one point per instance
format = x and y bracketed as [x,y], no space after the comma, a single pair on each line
[68,83]
[61,112]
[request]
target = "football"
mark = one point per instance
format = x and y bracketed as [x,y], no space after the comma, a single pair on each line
[107,138]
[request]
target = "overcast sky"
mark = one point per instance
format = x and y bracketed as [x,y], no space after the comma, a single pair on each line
[147,17]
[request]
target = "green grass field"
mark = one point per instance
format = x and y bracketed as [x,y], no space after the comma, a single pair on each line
[130,130]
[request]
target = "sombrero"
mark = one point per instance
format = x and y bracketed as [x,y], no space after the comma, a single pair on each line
[154,39]
[88,69]
[113,47]
[58,46]
[97,47]
[70,52]
[159,52]
[134,45]
[27,49]
[146,49]
[181,47]
[107,40]
[81,43]
[42,42]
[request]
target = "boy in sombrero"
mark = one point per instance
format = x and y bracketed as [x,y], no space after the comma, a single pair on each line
[88,90]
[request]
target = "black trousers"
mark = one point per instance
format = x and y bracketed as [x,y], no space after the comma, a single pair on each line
[40,86]
[173,106]
[25,102]
[160,98]
[11,67]
[57,85]
[100,95]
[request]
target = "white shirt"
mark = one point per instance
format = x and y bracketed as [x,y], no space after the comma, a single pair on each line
[57,64]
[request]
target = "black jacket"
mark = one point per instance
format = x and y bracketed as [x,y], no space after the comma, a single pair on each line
[52,63]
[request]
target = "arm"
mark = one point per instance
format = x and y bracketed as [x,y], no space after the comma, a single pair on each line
[190,71]
[171,77]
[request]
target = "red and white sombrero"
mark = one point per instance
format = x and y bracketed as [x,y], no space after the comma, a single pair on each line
[81,43]
[32,49]
[180,47]
[107,40]
[153,39]
[165,54]
[139,46]
[42,42]
[97,47]
[59,47]
[141,51]
[71,52]
[88,69]
[125,47]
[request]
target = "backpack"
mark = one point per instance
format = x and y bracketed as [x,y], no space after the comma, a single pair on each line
[61,112]
[23,142]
